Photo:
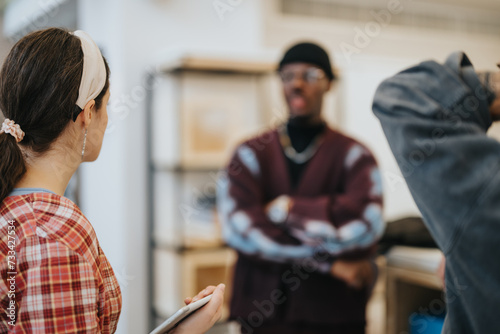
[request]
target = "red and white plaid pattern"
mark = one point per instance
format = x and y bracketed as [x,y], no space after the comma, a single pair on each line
[64,283]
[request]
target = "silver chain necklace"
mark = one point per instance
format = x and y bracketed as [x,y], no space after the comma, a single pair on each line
[291,153]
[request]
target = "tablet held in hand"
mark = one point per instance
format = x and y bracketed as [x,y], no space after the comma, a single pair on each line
[180,315]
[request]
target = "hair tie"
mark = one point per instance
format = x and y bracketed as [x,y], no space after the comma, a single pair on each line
[94,70]
[14,129]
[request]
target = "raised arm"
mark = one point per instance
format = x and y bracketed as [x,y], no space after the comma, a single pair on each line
[435,118]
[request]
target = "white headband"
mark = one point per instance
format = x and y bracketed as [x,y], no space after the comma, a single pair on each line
[94,70]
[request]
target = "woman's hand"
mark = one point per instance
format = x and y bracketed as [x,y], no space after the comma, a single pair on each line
[204,318]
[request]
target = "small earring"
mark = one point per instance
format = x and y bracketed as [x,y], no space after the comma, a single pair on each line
[84,142]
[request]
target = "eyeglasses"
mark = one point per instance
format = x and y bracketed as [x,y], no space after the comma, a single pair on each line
[311,75]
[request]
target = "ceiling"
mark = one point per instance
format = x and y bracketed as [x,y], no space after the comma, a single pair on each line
[484,4]
[473,4]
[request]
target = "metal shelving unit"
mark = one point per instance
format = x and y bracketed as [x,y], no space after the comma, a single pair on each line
[200,109]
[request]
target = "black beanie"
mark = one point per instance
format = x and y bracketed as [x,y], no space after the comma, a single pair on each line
[308,53]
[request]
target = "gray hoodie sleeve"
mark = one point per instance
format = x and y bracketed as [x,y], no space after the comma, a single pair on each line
[435,118]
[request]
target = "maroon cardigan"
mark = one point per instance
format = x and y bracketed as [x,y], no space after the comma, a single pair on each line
[337,213]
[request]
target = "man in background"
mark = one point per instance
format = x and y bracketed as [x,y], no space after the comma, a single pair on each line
[302,205]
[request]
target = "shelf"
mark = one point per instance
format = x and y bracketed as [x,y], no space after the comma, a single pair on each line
[202,106]
[412,289]
[181,274]
[210,61]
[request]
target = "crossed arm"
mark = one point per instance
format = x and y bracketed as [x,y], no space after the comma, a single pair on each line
[337,225]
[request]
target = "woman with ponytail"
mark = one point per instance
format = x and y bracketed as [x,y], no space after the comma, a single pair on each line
[54,277]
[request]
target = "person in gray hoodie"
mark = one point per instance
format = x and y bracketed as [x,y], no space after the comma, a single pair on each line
[435,117]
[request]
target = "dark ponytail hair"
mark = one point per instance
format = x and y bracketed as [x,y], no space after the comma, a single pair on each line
[39,84]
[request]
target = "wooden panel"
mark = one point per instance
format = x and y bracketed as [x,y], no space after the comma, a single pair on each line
[217,113]
[198,118]
[184,210]
[375,310]
[178,275]
[208,267]
[411,291]
[218,64]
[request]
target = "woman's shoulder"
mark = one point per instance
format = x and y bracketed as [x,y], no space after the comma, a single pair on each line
[51,217]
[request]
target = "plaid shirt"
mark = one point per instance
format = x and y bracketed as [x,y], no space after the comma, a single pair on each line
[54,276]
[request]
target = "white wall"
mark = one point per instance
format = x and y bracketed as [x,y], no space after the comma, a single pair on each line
[106,197]
[114,193]
[5,45]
